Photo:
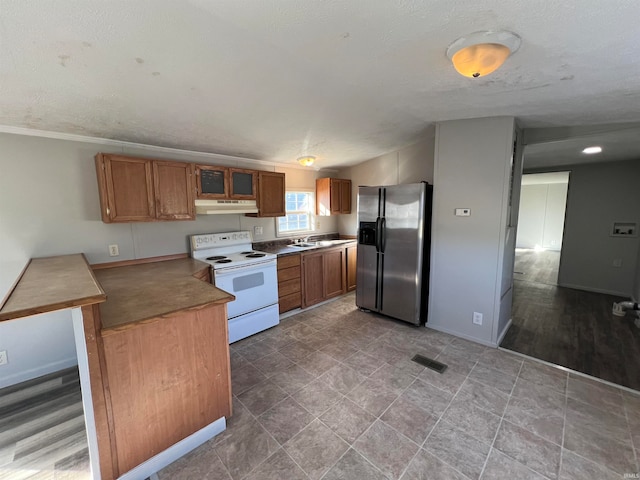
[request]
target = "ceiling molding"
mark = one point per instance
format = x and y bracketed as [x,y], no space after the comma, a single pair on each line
[155,148]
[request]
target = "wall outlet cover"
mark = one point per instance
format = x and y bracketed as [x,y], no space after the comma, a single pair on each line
[463,212]
[257,230]
[3,357]
[477,318]
[113,251]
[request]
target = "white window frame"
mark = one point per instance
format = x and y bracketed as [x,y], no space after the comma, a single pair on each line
[311,212]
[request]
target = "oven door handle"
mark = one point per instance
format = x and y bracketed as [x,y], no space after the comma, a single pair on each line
[223,272]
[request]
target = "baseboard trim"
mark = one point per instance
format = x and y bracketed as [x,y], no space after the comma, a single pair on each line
[20,377]
[594,290]
[461,335]
[174,452]
[504,331]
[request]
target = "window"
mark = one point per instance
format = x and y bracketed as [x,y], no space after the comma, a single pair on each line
[299,206]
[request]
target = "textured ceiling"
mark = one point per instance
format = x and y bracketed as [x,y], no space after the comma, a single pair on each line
[277,79]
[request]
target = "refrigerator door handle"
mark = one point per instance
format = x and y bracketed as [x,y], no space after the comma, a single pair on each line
[383,234]
[378,234]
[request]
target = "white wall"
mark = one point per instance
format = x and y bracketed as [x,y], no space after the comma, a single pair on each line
[49,206]
[410,164]
[541,220]
[472,168]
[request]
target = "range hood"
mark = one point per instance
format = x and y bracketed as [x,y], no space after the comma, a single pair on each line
[217,207]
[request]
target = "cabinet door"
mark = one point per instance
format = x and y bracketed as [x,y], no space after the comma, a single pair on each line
[212,182]
[351,253]
[242,183]
[336,196]
[345,196]
[312,276]
[333,273]
[174,190]
[126,189]
[271,194]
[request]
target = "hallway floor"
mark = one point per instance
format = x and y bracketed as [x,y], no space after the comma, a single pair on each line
[571,328]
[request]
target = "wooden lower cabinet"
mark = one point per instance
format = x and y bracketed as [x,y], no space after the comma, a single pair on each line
[323,275]
[156,383]
[289,282]
[351,253]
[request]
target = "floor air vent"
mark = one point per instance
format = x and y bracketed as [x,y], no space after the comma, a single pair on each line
[429,363]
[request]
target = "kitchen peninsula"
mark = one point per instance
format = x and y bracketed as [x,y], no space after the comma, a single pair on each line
[153,354]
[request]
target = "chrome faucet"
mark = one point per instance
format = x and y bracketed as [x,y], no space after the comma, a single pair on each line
[306,239]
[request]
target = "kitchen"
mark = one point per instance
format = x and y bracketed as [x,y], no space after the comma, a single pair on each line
[50,202]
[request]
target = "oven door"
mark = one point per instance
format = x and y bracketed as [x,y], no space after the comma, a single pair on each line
[255,286]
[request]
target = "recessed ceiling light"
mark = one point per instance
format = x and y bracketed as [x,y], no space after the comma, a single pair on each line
[592,150]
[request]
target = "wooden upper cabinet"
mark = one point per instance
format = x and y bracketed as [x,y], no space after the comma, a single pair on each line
[173,184]
[144,190]
[242,183]
[126,191]
[212,182]
[333,196]
[271,194]
[345,196]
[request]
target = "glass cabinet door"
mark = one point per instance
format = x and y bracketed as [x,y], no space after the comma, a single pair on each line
[243,183]
[213,182]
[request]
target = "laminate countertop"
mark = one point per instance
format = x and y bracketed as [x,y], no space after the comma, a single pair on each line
[53,283]
[127,294]
[281,249]
[142,293]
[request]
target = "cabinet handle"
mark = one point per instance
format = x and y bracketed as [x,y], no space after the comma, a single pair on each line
[108,210]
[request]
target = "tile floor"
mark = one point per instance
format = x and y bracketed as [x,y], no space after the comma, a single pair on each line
[331,394]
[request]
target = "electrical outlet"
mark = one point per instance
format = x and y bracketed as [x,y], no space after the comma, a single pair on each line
[463,212]
[317,224]
[113,251]
[477,318]
[3,357]
[617,262]
[257,230]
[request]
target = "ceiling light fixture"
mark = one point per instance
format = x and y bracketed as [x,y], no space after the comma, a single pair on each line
[481,53]
[592,150]
[306,161]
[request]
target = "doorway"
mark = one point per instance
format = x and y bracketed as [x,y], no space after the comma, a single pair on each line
[543,202]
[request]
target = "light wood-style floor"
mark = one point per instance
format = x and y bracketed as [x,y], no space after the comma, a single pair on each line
[571,328]
[42,431]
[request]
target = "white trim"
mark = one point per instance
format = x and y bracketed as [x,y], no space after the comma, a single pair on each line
[595,290]
[504,331]
[85,387]
[36,372]
[174,452]
[120,143]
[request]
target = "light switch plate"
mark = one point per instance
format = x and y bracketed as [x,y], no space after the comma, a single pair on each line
[463,212]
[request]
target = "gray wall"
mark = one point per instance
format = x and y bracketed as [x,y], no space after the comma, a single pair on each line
[599,195]
[468,254]
[49,206]
[541,220]
[411,164]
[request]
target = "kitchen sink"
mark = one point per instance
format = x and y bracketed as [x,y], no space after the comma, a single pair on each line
[320,243]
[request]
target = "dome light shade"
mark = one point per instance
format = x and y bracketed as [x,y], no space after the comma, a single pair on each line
[306,161]
[481,53]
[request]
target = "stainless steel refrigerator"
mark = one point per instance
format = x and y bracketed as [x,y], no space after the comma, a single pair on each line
[394,233]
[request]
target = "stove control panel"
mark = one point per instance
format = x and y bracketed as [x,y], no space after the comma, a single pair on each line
[211,240]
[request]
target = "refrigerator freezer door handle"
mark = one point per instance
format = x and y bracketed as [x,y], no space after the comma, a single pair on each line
[378,234]
[383,234]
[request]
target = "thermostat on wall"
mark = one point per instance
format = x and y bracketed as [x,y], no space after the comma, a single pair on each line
[463,212]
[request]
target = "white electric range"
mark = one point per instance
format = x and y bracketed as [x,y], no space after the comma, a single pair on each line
[249,275]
